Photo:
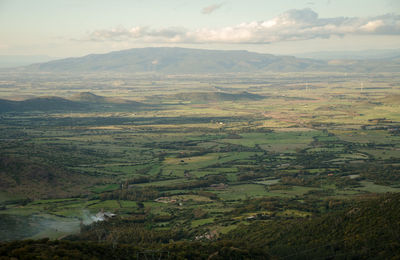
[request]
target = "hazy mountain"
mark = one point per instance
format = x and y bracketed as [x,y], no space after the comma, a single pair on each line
[179,60]
[196,61]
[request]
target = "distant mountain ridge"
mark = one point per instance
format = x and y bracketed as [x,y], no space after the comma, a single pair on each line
[172,60]
[176,60]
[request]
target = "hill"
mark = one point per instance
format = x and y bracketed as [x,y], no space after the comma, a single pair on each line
[196,61]
[89,98]
[80,102]
[40,104]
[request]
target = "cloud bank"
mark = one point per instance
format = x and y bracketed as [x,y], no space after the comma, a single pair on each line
[293,25]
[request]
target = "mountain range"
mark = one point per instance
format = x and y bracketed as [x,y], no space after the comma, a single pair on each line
[195,61]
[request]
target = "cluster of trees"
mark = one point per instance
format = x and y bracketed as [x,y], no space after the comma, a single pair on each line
[206,181]
[134,194]
[273,204]
[314,160]
[251,175]
[387,174]
[127,231]
[137,179]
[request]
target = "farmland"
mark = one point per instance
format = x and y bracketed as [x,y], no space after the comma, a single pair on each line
[190,160]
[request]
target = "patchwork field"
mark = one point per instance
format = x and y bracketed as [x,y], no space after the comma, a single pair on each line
[196,162]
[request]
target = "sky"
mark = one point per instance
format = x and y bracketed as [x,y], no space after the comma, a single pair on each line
[64,28]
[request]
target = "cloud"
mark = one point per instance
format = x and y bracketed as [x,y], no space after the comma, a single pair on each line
[145,34]
[210,9]
[293,25]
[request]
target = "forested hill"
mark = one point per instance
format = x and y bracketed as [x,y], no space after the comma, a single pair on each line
[361,230]
[196,61]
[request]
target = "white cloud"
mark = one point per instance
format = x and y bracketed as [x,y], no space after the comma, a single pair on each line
[292,25]
[210,9]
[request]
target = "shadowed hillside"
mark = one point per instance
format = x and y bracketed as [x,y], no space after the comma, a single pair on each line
[40,104]
[80,102]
